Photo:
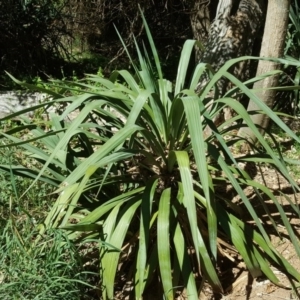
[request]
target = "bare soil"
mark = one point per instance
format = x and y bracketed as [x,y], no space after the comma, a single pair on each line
[241,285]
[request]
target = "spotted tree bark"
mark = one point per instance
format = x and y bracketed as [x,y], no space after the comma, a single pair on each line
[200,23]
[231,35]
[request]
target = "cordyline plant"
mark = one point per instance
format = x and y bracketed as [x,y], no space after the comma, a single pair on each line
[135,174]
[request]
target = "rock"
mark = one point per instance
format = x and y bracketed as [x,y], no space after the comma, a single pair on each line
[13,101]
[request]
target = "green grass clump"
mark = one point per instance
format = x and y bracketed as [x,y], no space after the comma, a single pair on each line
[50,270]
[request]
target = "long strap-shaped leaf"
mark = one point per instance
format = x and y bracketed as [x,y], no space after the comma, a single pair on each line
[188,195]
[68,134]
[185,265]
[116,238]
[109,146]
[146,208]
[163,243]
[183,65]
[193,116]
[228,173]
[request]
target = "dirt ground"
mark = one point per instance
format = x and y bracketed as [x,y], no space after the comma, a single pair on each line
[245,287]
[242,286]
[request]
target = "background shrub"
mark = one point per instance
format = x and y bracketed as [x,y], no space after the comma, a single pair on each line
[31,34]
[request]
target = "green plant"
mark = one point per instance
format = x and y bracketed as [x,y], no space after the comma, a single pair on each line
[51,269]
[13,186]
[136,173]
[293,36]
[32,33]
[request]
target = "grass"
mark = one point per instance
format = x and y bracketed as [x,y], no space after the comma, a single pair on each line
[290,148]
[51,268]
[294,154]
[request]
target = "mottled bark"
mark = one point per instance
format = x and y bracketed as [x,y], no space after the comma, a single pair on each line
[200,23]
[232,35]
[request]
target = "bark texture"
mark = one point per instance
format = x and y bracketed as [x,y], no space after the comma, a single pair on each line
[232,34]
[272,46]
[200,23]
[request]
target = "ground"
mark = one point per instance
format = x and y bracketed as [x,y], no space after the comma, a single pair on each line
[245,287]
[241,286]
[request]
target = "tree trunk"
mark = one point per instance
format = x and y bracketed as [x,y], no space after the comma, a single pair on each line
[272,46]
[200,23]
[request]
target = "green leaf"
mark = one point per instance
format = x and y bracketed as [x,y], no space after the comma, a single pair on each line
[96,157]
[184,263]
[244,246]
[228,173]
[146,208]
[207,266]
[188,194]
[193,114]
[34,87]
[116,236]
[184,61]
[97,213]
[163,243]
[72,130]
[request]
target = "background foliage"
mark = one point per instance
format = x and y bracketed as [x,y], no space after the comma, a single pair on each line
[54,38]
[31,33]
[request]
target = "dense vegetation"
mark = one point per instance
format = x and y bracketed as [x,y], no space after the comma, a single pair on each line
[46,39]
[123,192]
